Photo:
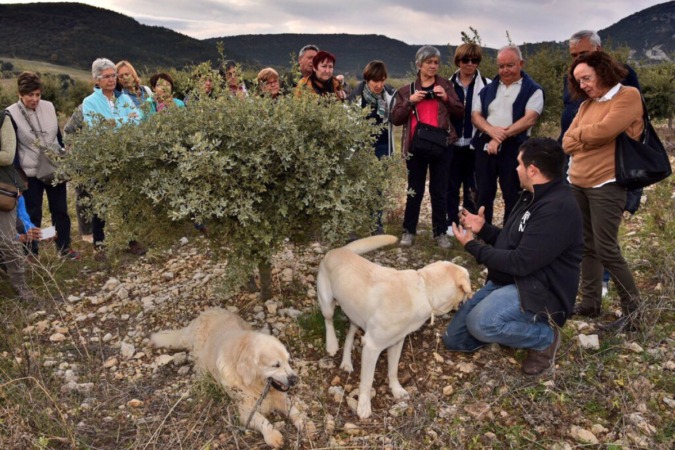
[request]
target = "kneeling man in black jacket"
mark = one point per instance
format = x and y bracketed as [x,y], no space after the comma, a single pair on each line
[533,264]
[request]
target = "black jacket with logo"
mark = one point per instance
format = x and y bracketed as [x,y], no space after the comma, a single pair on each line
[539,248]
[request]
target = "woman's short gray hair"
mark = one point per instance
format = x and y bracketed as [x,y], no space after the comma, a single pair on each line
[101,64]
[425,52]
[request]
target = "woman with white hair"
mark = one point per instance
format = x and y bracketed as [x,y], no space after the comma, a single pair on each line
[431,100]
[109,105]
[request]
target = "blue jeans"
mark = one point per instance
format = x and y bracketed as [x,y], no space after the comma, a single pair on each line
[493,314]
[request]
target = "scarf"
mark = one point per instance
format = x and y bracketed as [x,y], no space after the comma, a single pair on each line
[378,102]
[319,86]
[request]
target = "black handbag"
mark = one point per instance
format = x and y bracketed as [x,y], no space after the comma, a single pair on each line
[427,141]
[644,162]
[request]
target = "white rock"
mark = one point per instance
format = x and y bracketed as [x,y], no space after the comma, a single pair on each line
[127,350]
[448,390]
[122,294]
[111,284]
[184,370]
[287,275]
[589,341]
[667,400]
[271,307]
[111,362]
[398,409]
[291,312]
[466,367]
[57,337]
[633,347]
[183,241]
[583,436]
[42,325]
[108,337]
[180,358]
[163,360]
[351,428]
[73,299]
[168,276]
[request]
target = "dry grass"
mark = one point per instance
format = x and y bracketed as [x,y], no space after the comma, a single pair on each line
[470,401]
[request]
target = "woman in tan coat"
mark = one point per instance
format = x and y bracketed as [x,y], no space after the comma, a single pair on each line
[608,110]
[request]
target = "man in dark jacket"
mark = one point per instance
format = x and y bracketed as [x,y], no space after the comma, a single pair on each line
[533,264]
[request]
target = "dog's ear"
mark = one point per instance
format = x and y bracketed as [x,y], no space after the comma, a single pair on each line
[464,282]
[247,364]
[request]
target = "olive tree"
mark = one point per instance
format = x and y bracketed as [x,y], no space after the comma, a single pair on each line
[257,171]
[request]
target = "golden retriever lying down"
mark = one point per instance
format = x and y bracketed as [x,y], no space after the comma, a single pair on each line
[242,361]
[387,304]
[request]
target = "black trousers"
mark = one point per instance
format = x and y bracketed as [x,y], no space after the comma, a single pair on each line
[438,191]
[461,180]
[58,208]
[502,167]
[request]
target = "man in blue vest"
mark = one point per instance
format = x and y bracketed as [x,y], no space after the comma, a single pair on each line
[504,112]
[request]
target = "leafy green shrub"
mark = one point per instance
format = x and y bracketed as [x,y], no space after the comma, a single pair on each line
[257,171]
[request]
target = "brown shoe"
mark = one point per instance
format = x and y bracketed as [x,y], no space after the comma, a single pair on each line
[586,310]
[138,249]
[537,362]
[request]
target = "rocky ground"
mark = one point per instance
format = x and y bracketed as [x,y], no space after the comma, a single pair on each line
[105,387]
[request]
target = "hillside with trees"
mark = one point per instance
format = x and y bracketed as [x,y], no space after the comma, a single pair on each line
[74,34]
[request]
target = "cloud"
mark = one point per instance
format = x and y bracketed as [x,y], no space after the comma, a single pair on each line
[418,22]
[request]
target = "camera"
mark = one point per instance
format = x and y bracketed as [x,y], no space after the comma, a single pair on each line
[430,95]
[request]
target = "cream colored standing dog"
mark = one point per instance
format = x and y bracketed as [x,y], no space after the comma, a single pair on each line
[242,361]
[387,304]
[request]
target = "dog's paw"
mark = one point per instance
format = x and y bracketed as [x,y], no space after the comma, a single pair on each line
[399,392]
[347,366]
[363,410]
[273,438]
[331,345]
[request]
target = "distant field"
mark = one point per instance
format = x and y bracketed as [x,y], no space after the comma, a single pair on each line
[9,84]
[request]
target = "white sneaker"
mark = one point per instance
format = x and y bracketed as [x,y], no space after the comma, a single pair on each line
[443,241]
[407,240]
[450,232]
[605,288]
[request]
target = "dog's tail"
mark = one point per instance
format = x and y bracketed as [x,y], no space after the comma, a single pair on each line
[371,243]
[169,339]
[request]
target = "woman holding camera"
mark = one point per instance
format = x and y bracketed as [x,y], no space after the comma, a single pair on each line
[433,101]
[37,131]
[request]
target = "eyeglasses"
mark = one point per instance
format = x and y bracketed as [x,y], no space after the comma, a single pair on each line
[585,80]
[112,76]
[467,60]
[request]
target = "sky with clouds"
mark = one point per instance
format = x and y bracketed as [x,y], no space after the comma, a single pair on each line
[413,22]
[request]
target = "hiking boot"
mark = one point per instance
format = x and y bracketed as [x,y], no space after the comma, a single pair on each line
[407,240]
[443,241]
[136,248]
[537,362]
[625,323]
[70,254]
[585,310]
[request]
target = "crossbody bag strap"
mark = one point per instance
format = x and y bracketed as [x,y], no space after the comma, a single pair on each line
[30,124]
[414,108]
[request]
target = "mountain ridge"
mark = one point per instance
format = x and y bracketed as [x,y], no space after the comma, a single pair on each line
[78,34]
